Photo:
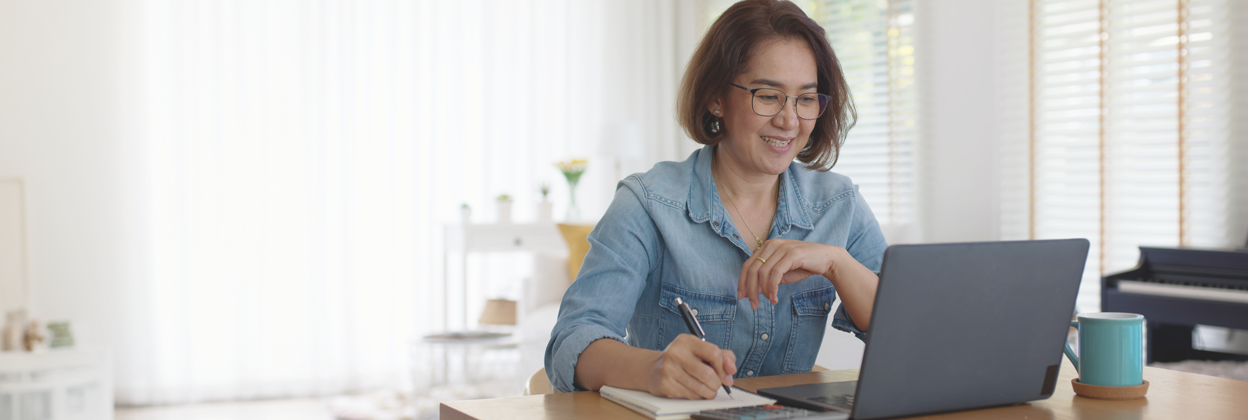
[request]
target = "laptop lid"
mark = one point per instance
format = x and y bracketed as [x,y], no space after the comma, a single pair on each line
[968,325]
[962,326]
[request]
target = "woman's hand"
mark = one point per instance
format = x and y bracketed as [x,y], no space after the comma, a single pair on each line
[782,261]
[691,368]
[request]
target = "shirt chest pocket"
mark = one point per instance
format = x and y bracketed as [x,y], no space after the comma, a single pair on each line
[810,320]
[714,312]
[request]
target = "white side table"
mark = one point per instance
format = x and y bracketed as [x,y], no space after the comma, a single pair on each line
[56,385]
[465,239]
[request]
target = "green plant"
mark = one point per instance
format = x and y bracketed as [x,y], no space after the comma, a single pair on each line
[503,197]
[545,190]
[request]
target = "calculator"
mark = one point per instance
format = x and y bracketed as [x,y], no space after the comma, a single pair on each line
[768,412]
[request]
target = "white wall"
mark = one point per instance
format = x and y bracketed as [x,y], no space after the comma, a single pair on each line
[59,131]
[955,59]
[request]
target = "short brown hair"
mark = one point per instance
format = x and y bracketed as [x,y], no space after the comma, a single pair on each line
[724,53]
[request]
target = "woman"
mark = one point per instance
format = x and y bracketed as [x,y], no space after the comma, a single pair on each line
[757,244]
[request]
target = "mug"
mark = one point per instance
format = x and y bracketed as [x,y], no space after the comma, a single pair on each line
[1111,349]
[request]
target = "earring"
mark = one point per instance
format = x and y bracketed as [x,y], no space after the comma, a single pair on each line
[717,112]
[715,127]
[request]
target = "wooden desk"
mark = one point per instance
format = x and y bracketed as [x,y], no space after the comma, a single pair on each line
[1171,395]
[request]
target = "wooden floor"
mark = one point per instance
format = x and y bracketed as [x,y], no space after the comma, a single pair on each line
[300,409]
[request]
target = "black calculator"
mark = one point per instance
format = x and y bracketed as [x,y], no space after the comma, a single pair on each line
[768,412]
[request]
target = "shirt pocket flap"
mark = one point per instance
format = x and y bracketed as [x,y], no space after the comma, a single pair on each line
[816,302]
[707,308]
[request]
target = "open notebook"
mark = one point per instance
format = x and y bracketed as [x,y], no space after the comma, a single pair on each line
[672,409]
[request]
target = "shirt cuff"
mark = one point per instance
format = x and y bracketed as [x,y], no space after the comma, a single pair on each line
[564,352]
[842,322]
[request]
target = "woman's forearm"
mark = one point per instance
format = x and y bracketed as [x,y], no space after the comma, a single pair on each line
[856,284]
[607,361]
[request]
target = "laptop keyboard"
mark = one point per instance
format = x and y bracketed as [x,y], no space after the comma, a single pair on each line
[838,401]
[766,412]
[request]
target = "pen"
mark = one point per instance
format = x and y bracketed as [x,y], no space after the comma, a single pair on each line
[695,328]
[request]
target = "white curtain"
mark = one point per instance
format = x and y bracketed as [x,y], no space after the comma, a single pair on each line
[304,155]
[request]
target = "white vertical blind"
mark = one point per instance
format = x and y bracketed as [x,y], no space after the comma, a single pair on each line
[304,155]
[874,41]
[1116,90]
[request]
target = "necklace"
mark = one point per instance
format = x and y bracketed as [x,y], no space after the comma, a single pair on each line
[734,207]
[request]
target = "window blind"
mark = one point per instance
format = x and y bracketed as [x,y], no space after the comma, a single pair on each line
[1117,127]
[874,41]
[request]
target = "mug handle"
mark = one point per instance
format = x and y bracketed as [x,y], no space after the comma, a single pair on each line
[1070,354]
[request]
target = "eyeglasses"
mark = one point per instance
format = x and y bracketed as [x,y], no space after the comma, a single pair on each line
[768,102]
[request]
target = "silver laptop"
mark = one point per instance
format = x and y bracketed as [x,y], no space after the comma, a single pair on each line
[958,327]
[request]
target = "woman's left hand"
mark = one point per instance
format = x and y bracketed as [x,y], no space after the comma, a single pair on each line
[781,261]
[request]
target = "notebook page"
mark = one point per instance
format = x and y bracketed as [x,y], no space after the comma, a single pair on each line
[659,406]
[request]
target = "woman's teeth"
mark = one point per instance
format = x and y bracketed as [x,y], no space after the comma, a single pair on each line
[776,142]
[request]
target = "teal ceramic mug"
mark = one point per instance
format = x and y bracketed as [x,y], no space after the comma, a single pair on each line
[1111,349]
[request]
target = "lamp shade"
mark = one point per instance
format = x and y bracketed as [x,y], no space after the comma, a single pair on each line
[498,312]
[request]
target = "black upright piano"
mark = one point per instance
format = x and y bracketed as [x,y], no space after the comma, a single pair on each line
[1177,288]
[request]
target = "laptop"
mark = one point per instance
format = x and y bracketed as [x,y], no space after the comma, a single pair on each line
[958,327]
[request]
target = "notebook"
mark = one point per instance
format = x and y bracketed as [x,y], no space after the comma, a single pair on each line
[673,409]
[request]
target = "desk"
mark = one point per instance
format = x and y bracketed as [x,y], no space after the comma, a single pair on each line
[1171,395]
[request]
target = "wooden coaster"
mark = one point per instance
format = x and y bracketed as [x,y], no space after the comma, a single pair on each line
[1109,392]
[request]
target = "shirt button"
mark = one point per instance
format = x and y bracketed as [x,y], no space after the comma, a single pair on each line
[749,373]
[716,224]
[827,306]
[764,337]
[735,236]
[694,311]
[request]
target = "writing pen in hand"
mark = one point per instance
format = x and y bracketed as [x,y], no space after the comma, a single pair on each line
[695,328]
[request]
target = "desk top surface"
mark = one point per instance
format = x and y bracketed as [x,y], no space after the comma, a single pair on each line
[1171,395]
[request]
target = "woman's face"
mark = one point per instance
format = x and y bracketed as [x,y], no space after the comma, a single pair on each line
[767,145]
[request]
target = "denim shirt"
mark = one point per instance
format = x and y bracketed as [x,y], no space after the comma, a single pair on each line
[666,234]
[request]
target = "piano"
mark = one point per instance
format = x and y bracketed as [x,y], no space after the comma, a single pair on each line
[1177,288]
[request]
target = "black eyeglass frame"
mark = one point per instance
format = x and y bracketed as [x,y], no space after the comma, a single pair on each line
[824,100]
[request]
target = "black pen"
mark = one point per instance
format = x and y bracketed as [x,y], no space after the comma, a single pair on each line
[695,328]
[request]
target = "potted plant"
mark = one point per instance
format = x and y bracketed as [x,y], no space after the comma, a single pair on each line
[465,213]
[504,208]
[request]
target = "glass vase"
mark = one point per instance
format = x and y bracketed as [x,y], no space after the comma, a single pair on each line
[574,211]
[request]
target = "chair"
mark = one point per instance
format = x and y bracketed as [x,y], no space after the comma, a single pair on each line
[538,384]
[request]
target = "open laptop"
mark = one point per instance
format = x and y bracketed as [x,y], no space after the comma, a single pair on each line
[958,327]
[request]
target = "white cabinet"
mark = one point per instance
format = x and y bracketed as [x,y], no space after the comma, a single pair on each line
[56,385]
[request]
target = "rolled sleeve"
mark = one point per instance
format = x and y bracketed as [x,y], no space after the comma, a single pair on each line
[841,321]
[563,352]
[600,302]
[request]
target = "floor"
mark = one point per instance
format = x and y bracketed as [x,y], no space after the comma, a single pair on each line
[300,409]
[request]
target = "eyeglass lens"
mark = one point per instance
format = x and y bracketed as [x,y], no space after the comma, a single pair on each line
[768,102]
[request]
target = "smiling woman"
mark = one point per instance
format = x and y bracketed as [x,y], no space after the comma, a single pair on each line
[762,90]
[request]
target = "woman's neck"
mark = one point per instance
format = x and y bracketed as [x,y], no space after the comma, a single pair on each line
[745,187]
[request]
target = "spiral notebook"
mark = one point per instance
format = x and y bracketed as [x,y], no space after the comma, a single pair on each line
[673,409]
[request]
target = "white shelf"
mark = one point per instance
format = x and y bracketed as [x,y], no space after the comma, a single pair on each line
[56,385]
[500,237]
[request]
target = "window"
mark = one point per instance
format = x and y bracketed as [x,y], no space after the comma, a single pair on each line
[1115,127]
[874,41]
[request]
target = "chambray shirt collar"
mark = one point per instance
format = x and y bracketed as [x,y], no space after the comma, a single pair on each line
[705,204]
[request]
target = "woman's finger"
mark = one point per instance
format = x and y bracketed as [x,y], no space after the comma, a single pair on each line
[749,271]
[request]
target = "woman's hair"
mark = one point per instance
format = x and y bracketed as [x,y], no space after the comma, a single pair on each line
[724,54]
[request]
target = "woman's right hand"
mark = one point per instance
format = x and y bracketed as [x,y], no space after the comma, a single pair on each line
[691,368]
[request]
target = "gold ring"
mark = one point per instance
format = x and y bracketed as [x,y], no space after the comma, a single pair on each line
[761,259]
